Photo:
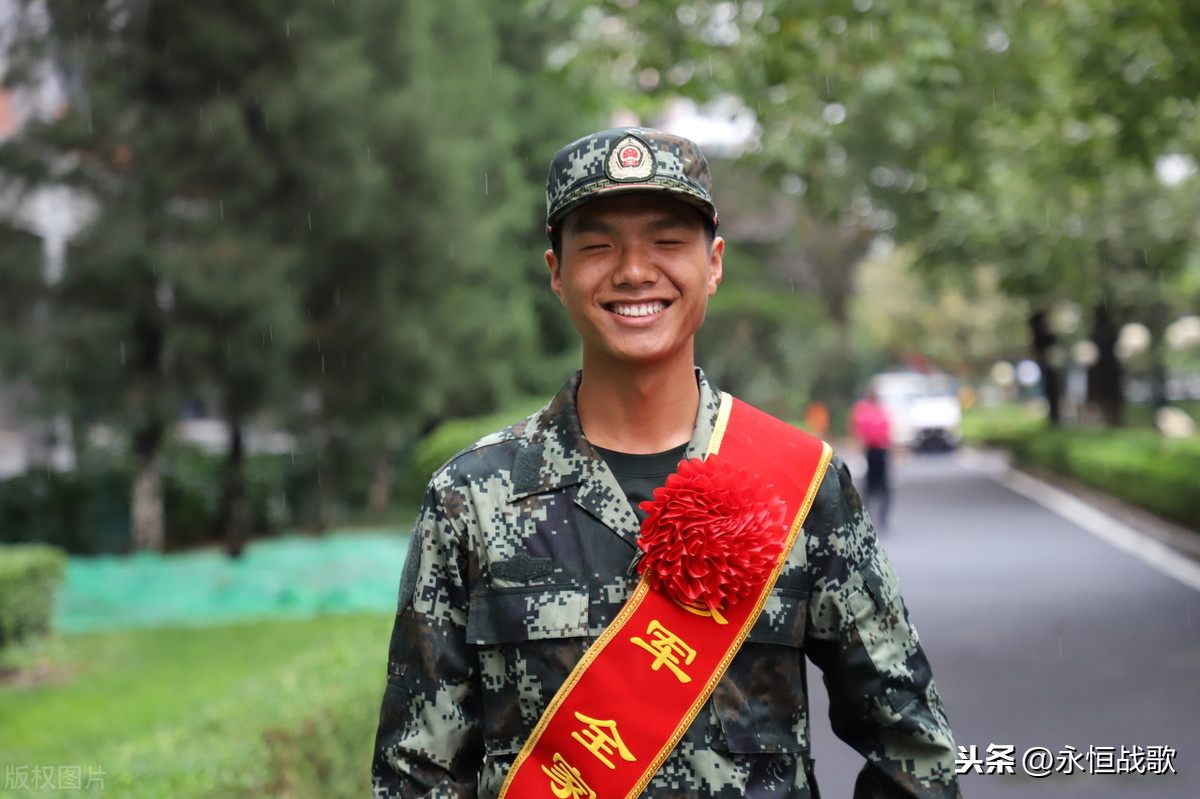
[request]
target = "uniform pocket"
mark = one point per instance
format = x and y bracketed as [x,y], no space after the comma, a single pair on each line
[527,613]
[527,640]
[761,704]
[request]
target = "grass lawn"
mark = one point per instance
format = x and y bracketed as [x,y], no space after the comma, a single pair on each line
[265,708]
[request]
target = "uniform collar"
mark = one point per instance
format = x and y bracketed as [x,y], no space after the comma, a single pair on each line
[555,454]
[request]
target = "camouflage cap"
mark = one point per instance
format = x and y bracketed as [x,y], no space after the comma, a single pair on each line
[627,160]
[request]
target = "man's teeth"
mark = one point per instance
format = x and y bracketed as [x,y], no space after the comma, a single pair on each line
[639,309]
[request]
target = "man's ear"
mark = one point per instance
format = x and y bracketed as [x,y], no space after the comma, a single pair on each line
[552,262]
[716,265]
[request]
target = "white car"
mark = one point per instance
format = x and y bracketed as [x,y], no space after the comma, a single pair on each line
[923,408]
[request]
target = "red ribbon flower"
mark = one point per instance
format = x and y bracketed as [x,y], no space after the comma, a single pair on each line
[713,532]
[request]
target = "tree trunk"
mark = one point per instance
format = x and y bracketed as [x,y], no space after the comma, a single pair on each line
[149,529]
[235,514]
[1104,377]
[379,494]
[1157,323]
[1043,343]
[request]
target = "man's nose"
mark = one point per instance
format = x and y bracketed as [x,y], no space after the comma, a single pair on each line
[634,268]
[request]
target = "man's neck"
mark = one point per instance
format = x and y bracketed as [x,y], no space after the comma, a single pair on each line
[641,410]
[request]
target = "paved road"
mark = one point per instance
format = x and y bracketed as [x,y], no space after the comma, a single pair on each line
[1040,634]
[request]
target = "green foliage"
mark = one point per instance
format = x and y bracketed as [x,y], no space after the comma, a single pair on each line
[30,576]
[86,511]
[83,512]
[1001,424]
[264,709]
[761,343]
[1020,138]
[963,327]
[1137,465]
[324,214]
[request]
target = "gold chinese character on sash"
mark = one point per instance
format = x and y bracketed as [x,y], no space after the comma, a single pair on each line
[566,782]
[701,609]
[601,739]
[668,650]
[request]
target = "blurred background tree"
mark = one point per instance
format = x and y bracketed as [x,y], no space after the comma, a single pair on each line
[1027,141]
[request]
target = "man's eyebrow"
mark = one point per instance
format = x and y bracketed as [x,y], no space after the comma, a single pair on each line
[588,224]
[671,220]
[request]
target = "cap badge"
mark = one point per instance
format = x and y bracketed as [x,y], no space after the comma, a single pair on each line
[630,159]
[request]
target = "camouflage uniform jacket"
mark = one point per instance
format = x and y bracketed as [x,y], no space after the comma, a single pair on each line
[521,557]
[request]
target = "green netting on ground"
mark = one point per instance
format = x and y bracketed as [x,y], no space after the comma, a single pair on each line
[336,573]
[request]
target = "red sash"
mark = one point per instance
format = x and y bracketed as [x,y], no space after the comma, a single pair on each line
[642,683]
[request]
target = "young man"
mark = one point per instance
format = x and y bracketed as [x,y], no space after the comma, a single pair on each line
[551,643]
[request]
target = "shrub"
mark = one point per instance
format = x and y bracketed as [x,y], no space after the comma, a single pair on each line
[1140,467]
[86,511]
[30,576]
[999,425]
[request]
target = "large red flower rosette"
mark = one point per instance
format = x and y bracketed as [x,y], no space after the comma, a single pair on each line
[714,531]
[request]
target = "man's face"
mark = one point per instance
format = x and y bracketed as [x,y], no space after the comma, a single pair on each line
[635,273]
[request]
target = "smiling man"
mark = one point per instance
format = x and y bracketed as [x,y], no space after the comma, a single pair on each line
[615,596]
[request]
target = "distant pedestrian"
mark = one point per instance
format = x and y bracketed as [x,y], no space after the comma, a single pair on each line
[870,425]
[816,419]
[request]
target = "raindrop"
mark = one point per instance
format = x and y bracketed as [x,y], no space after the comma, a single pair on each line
[221,205]
[485,184]
[122,353]
[997,41]
[686,15]
[863,5]
[310,220]
[368,153]
[288,27]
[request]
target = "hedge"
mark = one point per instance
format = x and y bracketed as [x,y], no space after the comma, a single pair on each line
[86,511]
[30,576]
[1140,467]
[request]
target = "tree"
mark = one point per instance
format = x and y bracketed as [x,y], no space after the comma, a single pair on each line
[170,288]
[1002,133]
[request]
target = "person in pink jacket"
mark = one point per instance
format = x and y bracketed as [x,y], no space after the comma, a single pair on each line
[870,425]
